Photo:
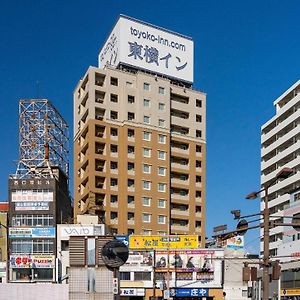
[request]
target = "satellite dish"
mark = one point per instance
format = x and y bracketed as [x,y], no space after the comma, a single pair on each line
[242,226]
[114,254]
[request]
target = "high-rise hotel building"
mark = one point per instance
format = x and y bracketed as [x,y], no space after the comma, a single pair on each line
[140,135]
[280,147]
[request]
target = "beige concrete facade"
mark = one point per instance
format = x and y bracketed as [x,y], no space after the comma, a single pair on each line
[139,153]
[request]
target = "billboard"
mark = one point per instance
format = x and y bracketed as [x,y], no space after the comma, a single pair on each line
[42,232]
[148,47]
[32,261]
[163,242]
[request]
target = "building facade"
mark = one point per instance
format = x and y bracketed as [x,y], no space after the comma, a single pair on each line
[140,148]
[280,147]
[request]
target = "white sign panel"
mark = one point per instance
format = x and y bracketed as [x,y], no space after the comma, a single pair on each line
[81,230]
[144,46]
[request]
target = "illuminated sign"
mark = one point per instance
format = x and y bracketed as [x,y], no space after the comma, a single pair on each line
[145,46]
[163,242]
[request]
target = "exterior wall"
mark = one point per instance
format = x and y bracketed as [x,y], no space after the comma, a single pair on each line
[27,291]
[280,147]
[92,110]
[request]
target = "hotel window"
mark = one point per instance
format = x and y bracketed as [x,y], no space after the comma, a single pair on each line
[161,90]
[146,136]
[146,218]
[162,171]
[146,152]
[161,106]
[130,99]
[161,219]
[161,155]
[146,103]
[146,185]
[161,123]
[130,116]
[114,81]
[146,168]
[114,98]
[146,119]
[146,86]
[161,203]
[162,139]
[146,201]
[162,187]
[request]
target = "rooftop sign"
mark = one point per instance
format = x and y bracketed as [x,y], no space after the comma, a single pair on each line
[145,46]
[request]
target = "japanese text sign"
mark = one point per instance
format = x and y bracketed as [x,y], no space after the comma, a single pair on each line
[144,46]
[163,242]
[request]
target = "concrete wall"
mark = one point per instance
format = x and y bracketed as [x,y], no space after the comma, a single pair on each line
[27,291]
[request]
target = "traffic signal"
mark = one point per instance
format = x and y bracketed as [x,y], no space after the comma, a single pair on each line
[276,270]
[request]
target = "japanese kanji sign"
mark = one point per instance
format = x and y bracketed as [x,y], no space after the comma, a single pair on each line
[144,46]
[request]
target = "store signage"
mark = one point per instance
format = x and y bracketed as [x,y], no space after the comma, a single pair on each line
[163,242]
[188,292]
[32,261]
[132,292]
[43,232]
[148,47]
[235,242]
[82,230]
[31,205]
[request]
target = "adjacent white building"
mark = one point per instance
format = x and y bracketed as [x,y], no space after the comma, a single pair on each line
[280,147]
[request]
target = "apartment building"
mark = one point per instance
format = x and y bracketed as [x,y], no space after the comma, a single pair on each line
[139,149]
[280,147]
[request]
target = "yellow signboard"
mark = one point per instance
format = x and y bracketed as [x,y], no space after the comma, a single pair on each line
[290,292]
[163,242]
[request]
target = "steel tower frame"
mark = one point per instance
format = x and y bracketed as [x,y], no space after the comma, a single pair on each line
[43,139]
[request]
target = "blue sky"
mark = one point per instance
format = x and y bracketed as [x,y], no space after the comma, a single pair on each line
[246,55]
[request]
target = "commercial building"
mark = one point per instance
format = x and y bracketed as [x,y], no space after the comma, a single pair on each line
[280,147]
[38,193]
[140,135]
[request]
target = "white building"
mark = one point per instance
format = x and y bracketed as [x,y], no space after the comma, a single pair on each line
[280,147]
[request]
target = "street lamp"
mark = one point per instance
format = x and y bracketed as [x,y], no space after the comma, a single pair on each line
[283,174]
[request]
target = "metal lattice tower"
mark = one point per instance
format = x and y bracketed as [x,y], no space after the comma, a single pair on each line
[43,139]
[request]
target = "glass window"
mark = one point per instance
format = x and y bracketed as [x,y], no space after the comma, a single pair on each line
[146,103]
[161,106]
[161,203]
[161,219]
[91,252]
[146,136]
[146,201]
[162,139]
[161,155]
[162,171]
[146,185]
[146,218]
[146,168]
[162,187]
[161,123]
[161,90]
[146,152]
[146,86]
[146,119]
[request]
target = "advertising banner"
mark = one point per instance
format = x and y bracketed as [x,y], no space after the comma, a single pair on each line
[32,195]
[148,47]
[31,205]
[43,232]
[81,230]
[163,242]
[32,261]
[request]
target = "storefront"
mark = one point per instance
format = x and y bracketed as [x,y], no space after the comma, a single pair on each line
[31,268]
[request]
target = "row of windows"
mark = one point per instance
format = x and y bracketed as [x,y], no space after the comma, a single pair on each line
[146,218]
[32,246]
[32,220]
